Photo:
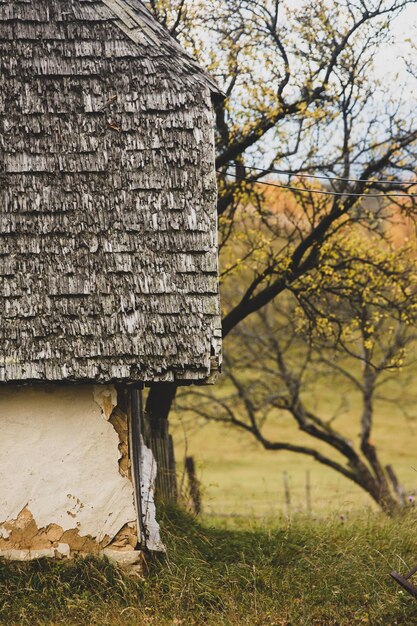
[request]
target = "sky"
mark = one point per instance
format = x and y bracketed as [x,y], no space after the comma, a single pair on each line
[390,61]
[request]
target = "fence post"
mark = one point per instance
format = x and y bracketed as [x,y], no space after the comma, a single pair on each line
[287,495]
[398,488]
[195,493]
[308,492]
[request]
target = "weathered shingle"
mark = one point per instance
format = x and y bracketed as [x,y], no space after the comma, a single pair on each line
[108,249]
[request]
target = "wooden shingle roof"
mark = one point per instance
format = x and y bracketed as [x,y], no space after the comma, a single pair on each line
[108,246]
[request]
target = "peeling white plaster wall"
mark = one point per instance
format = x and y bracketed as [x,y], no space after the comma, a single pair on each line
[59,458]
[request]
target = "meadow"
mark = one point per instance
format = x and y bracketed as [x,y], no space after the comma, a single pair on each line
[249,559]
[229,573]
[240,478]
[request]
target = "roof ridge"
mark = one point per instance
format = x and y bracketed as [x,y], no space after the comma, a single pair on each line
[136,26]
[124,12]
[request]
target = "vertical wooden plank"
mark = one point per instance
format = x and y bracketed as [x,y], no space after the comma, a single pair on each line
[144,470]
[135,427]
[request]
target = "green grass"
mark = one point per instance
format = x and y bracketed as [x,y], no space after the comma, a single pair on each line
[231,573]
[244,563]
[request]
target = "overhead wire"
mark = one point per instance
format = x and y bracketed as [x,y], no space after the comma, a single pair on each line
[322,177]
[323,192]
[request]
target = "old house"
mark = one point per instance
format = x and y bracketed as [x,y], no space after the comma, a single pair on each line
[108,265]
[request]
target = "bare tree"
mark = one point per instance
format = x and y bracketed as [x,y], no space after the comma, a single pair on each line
[357,338]
[301,99]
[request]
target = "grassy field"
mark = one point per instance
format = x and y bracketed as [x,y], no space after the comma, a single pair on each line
[229,573]
[241,478]
[246,562]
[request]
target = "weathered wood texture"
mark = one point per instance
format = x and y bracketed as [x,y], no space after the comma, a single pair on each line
[108,249]
[162,446]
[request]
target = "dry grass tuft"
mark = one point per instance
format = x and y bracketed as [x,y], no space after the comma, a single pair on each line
[236,574]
